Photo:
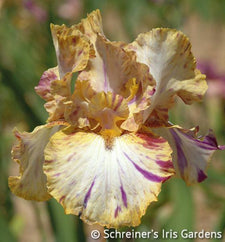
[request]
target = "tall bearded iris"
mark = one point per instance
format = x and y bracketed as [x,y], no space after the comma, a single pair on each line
[108,146]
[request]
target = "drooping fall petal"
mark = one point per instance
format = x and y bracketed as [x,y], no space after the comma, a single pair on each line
[107,183]
[191,154]
[168,55]
[29,153]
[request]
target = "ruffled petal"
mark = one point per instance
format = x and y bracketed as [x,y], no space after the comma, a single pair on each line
[111,186]
[74,45]
[44,87]
[167,53]
[91,26]
[137,105]
[77,110]
[60,93]
[29,153]
[191,154]
[72,49]
[113,67]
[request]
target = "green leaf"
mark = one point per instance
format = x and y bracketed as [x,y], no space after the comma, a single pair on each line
[5,232]
[64,226]
[182,216]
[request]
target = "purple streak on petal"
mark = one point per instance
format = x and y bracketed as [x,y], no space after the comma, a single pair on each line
[62,199]
[88,194]
[201,176]
[118,209]
[148,175]
[119,103]
[124,196]
[209,142]
[105,78]
[132,100]
[48,161]
[165,164]
[181,159]
[70,157]
[57,174]
[44,85]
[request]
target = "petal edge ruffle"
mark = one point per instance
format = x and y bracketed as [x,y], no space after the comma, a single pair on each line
[110,186]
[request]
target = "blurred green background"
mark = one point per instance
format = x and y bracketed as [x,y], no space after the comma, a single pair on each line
[26,50]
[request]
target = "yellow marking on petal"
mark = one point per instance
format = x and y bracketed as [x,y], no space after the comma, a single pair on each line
[28,152]
[75,45]
[112,187]
[131,88]
[167,53]
[113,67]
[77,109]
[108,109]
[108,136]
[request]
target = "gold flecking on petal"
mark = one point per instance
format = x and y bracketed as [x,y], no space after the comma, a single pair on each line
[167,53]
[29,153]
[110,186]
[113,67]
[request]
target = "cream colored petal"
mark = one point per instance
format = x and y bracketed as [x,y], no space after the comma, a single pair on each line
[29,153]
[113,67]
[110,186]
[167,53]
[191,154]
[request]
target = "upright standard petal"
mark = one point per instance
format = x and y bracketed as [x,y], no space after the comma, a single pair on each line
[167,53]
[72,49]
[74,45]
[113,67]
[29,153]
[112,185]
[191,154]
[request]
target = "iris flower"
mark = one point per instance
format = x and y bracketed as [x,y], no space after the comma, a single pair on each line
[108,145]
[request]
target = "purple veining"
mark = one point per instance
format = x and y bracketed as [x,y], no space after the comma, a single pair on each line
[201,176]
[105,78]
[119,103]
[181,159]
[118,209]
[132,100]
[88,194]
[62,199]
[165,164]
[148,175]
[209,142]
[124,196]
